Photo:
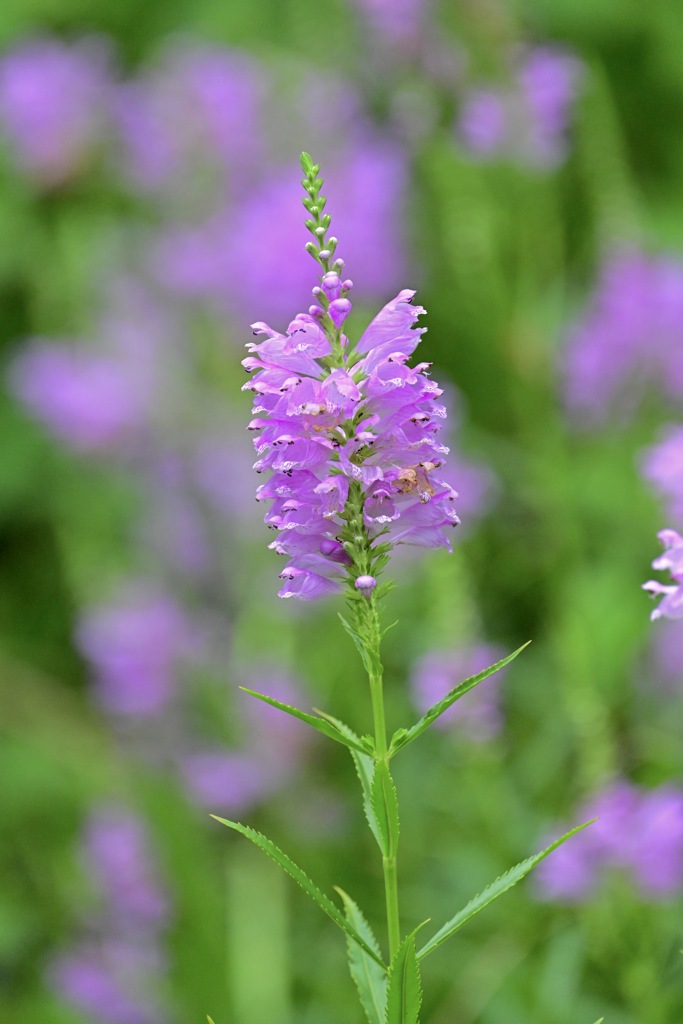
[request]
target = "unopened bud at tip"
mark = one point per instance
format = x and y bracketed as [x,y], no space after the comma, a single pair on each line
[365,585]
[339,310]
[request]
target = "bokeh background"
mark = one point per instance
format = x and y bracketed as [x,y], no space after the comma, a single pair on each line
[521,165]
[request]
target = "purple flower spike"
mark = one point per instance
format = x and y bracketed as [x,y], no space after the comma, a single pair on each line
[365,585]
[671,607]
[349,434]
[302,412]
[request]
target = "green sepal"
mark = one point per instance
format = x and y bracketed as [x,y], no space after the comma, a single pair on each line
[402,737]
[493,891]
[404,992]
[318,721]
[385,807]
[368,978]
[302,879]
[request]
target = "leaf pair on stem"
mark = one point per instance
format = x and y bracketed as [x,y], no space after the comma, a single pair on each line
[389,993]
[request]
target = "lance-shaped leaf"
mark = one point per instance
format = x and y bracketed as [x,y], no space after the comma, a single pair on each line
[365,768]
[370,980]
[404,736]
[493,891]
[385,808]
[210,1019]
[323,724]
[601,1021]
[404,993]
[302,879]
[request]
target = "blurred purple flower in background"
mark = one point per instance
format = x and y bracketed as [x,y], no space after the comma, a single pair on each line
[478,714]
[628,338]
[671,605]
[662,466]
[114,975]
[398,23]
[528,119]
[53,105]
[225,260]
[193,122]
[105,394]
[136,646]
[483,122]
[118,859]
[224,780]
[91,401]
[271,751]
[638,832]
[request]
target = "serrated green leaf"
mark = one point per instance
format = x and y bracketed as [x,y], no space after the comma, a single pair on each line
[402,737]
[323,724]
[385,807]
[493,891]
[404,992]
[365,769]
[369,979]
[302,879]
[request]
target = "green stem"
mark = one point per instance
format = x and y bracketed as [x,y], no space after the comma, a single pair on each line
[389,865]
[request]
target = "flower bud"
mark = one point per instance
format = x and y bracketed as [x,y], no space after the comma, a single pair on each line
[331,285]
[324,254]
[339,310]
[365,585]
[316,311]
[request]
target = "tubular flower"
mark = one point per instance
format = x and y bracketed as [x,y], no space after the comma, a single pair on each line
[348,433]
[671,606]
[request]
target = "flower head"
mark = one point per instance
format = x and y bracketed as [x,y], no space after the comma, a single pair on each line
[348,433]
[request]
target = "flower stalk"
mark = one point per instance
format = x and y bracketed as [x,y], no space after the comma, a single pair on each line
[349,434]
